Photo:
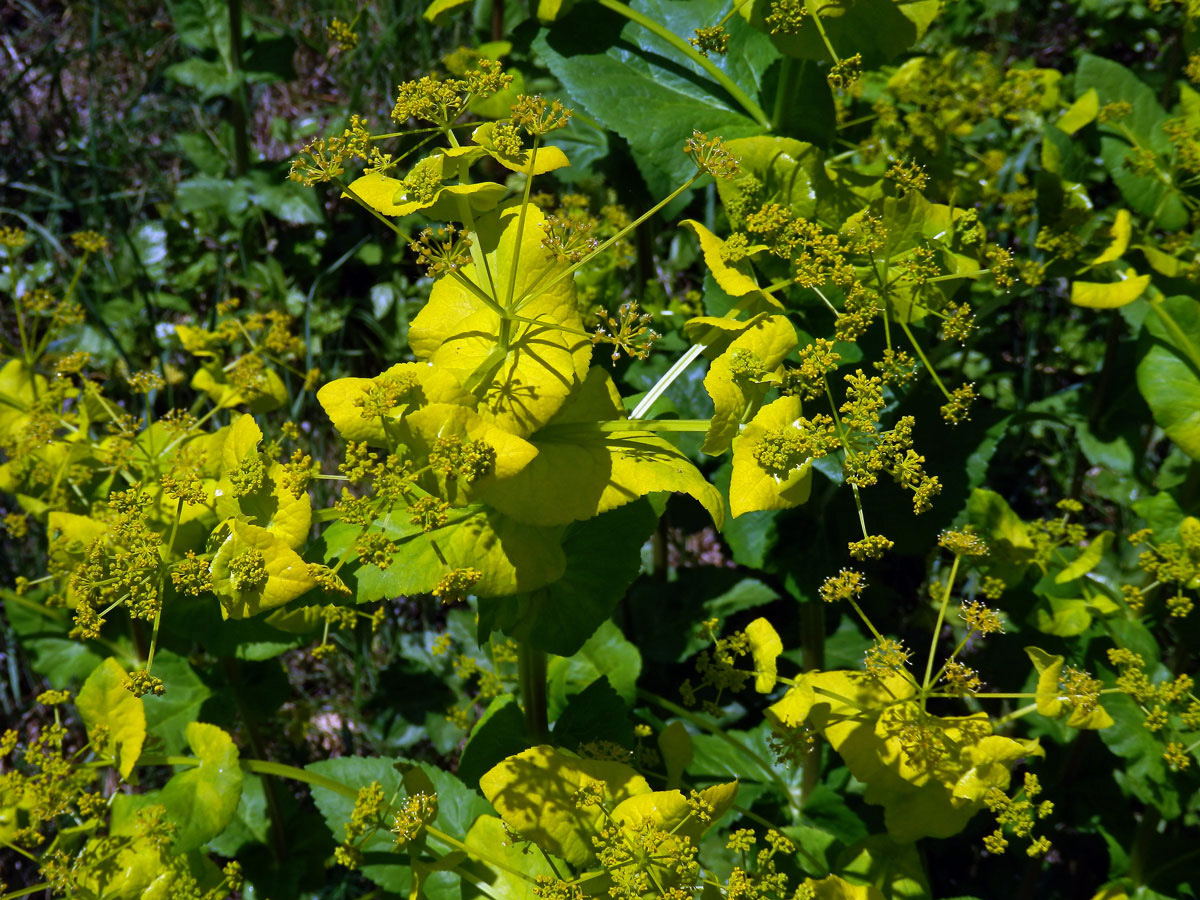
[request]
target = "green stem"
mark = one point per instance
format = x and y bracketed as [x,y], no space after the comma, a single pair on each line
[512,273]
[753,109]
[937,630]
[25,892]
[924,359]
[531,666]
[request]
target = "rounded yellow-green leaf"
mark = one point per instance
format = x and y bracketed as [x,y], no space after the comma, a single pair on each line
[104,700]
[504,858]
[753,488]
[196,340]
[669,810]
[523,382]
[1122,230]
[342,400]
[442,420]
[287,574]
[214,381]
[1088,559]
[735,279]
[534,793]
[546,159]
[440,7]
[582,470]
[1109,295]
[202,800]
[1080,113]
[241,442]
[381,192]
[1048,667]
[769,340]
[765,647]
[835,888]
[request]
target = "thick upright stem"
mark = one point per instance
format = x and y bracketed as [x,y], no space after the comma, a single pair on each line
[238,116]
[532,669]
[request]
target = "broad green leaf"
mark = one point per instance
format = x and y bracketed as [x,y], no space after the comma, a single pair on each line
[343,399]
[1080,113]
[594,714]
[1122,230]
[582,469]
[636,84]
[522,384]
[286,578]
[546,159]
[736,396]
[765,647]
[534,794]
[511,556]
[457,808]
[1088,559]
[606,653]
[501,731]
[675,746]
[1151,194]
[602,558]
[881,860]
[104,700]
[1168,375]
[1143,773]
[168,715]
[752,487]
[735,279]
[201,801]
[1007,536]
[878,29]
[1109,295]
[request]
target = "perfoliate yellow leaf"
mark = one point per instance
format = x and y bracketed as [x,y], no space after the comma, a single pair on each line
[765,647]
[582,470]
[1110,295]
[214,381]
[504,858]
[1087,560]
[386,195]
[424,426]
[835,888]
[1122,230]
[1082,112]
[439,7]
[75,528]
[735,279]
[752,487]
[1162,263]
[523,381]
[546,159]
[669,810]
[534,793]
[870,722]
[286,573]
[1049,667]
[240,444]
[17,393]
[195,341]
[104,700]
[342,400]
[734,396]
